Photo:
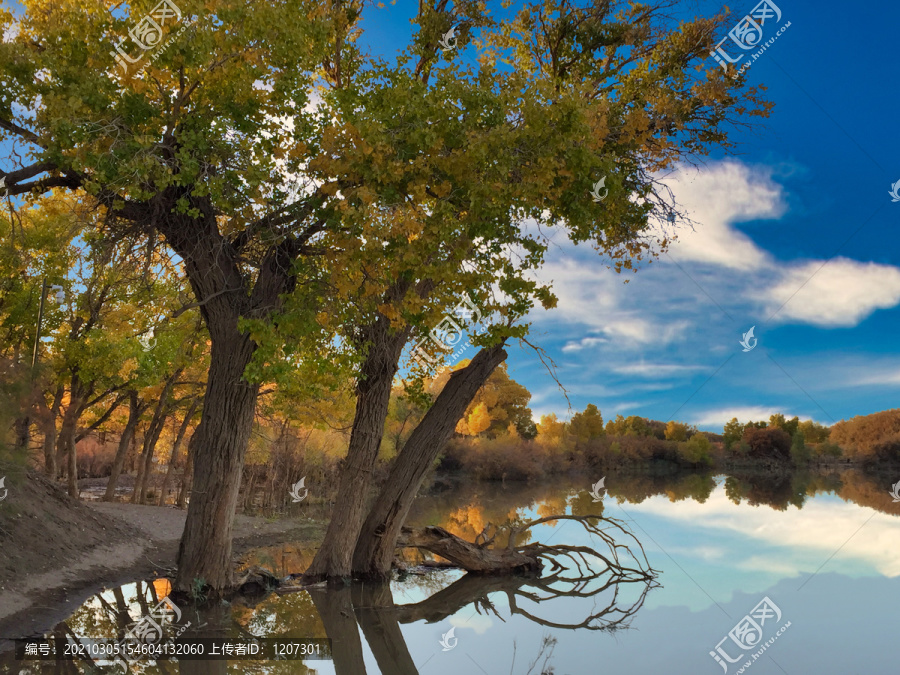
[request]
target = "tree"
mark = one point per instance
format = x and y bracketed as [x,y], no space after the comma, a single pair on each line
[587,425]
[552,431]
[696,450]
[733,433]
[500,402]
[790,427]
[630,426]
[800,452]
[677,431]
[813,432]
[768,443]
[198,146]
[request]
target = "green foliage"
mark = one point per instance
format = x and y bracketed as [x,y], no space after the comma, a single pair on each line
[631,426]
[790,427]
[696,451]
[587,425]
[733,432]
[800,451]
[813,432]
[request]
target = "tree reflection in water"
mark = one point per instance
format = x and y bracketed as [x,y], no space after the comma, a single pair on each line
[576,572]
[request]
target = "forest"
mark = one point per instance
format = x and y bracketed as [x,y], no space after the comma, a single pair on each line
[233,272]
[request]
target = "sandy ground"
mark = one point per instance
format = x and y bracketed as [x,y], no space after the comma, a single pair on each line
[55,552]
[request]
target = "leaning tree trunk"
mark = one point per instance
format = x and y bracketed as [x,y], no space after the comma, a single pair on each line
[334,558]
[151,437]
[375,548]
[136,408]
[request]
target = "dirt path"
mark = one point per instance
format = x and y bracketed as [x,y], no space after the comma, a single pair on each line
[58,551]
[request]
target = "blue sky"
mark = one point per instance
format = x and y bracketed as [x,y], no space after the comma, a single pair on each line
[801,217]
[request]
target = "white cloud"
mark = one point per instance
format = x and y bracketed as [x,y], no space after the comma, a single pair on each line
[583,343]
[656,369]
[716,197]
[718,418]
[843,292]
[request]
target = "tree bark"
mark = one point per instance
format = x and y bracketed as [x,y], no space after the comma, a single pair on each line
[374,552]
[136,408]
[176,449]
[220,444]
[473,558]
[333,560]
[225,293]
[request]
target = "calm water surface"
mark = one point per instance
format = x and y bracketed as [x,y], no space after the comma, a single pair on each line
[824,550]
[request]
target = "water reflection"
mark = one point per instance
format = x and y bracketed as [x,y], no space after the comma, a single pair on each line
[722,543]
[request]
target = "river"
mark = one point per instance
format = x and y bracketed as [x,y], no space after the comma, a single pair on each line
[755,573]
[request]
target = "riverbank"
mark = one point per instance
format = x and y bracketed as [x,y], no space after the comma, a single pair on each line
[58,551]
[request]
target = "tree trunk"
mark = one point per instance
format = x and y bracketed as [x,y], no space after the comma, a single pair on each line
[22,429]
[136,408]
[176,449]
[187,475]
[154,429]
[334,558]
[65,444]
[48,426]
[219,447]
[375,548]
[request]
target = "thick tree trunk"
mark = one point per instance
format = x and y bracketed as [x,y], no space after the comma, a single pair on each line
[375,548]
[176,450]
[220,444]
[136,408]
[225,292]
[334,558]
